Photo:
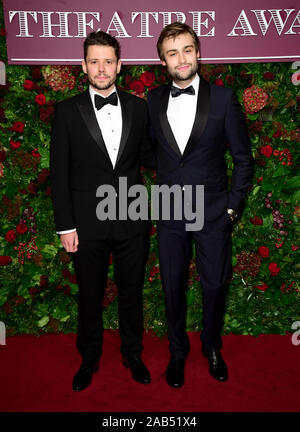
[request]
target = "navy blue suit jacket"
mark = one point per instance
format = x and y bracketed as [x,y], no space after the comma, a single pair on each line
[219,122]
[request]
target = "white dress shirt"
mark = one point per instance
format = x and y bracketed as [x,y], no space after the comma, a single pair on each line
[181,114]
[109,119]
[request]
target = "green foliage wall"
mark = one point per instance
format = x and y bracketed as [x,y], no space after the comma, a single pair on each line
[38,291]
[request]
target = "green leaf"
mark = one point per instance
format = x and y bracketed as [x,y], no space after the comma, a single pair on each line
[50,250]
[43,321]
[292,183]
[256,189]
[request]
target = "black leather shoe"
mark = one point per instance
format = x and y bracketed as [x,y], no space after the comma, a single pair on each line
[217,366]
[83,377]
[175,372]
[138,370]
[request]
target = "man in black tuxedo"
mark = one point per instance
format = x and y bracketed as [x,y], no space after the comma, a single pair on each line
[192,121]
[97,137]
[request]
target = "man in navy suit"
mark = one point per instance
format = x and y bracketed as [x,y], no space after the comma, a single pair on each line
[192,122]
[98,137]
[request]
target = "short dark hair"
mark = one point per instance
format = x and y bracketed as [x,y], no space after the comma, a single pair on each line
[173,30]
[101,38]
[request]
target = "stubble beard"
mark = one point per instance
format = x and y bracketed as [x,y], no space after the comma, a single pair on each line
[180,76]
[104,86]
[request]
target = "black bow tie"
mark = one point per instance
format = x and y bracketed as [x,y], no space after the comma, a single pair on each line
[101,101]
[175,91]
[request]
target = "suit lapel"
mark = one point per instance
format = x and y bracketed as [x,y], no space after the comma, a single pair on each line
[87,111]
[127,116]
[201,115]
[165,125]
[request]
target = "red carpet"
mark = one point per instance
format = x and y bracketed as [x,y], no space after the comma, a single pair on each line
[36,375]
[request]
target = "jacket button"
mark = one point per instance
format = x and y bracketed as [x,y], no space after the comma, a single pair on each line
[181,164]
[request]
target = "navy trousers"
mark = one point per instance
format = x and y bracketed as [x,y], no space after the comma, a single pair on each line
[213,262]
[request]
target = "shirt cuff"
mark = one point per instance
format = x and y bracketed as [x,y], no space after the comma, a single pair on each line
[66,232]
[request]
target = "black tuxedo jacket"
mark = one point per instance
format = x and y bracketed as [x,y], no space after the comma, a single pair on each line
[79,164]
[218,122]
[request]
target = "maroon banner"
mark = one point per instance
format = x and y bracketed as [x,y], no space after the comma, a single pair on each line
[53,31]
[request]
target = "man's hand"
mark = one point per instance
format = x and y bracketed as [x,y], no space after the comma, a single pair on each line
[70,241]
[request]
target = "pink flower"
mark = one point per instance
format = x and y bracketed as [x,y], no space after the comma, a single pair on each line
[255,99]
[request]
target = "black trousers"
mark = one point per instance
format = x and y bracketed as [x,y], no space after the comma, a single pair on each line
[91,263]
[213,262]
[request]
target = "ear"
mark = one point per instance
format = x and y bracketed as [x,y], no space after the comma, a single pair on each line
[83,65]
[119,66]
[163,63]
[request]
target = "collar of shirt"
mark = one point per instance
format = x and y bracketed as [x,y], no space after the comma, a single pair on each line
[195,83]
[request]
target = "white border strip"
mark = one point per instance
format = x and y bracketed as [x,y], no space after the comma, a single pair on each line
[157,60]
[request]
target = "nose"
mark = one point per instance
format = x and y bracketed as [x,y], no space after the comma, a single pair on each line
[181,57]
[101,66]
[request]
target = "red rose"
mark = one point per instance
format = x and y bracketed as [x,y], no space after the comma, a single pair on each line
[33,291]
[66,273]
[18,127]
[274,269]
[40,99]
[137,86]
[2,155]
[277,134]
[21,228]
[32,188]
[43,281]
[67,289]
[46,113]
[153,231]
[147,78]
[72,278]
[5,260]
[266,150]
[28,85]
[262,287]
[263,251]
[219,82]
[3,32]
[10,236]
[48,191]
[256,220]
[269,76]
[36,72]
[43,175]
[294,247]
[35,153]
[14,144]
